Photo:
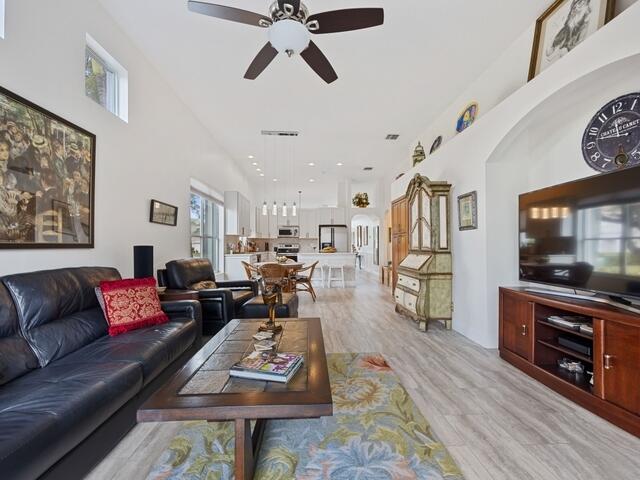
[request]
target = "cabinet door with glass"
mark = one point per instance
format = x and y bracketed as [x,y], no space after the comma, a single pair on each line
[420,220]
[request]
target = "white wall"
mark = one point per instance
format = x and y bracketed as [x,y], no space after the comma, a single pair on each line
[508,73]
[153,156]
[499,163]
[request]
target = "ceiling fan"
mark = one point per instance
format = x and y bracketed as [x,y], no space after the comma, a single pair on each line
[290,28]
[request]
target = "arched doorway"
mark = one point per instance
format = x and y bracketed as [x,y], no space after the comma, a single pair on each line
[365,239]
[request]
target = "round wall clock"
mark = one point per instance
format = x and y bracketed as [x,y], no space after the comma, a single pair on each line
[612,138]
[436,144]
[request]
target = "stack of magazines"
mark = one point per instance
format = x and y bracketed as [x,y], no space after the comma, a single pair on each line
[272,367]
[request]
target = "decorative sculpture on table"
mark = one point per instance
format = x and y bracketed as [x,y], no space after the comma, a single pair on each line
[272,297]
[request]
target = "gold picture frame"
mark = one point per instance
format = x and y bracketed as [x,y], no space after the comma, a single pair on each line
[563,26]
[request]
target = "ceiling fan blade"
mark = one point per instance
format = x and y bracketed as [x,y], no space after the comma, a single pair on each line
[230,13]
[262,61]
[319,63]
[345,20]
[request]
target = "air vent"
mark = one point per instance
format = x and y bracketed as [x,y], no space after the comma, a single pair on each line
[280,133]
[393,136]
[367,169]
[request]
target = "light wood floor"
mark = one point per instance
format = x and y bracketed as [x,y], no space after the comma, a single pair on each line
[496,422]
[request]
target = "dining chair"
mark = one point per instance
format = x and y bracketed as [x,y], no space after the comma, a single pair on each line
[251,271]
[274,274]
[304,278]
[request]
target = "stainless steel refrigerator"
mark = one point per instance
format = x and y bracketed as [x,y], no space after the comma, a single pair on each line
[336,236]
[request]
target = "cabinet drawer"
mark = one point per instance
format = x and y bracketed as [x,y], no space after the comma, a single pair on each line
[409,282]
[399,296]
[410,302]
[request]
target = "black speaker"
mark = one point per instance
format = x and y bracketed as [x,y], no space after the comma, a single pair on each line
[143,261]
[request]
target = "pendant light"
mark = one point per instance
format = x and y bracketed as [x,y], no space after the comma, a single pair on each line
[274,210]
[294,210]
[284,209]
[264,178]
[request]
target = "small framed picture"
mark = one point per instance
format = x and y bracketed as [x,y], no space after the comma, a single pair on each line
[163,213]
[468,211]
[564,26]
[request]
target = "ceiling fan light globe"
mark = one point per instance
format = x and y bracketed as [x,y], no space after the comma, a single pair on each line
[289,36]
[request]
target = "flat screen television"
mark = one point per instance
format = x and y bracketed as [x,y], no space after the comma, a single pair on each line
[584,235]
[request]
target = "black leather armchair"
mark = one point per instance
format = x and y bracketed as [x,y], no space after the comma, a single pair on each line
[220,304]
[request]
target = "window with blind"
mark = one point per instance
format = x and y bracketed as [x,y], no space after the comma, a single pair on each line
[207,229]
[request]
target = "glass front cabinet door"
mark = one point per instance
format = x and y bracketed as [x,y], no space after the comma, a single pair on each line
[429,211]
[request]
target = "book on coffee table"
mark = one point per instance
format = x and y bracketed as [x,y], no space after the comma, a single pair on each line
[278,367]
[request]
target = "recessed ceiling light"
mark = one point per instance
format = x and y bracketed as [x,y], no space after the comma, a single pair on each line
[311,164]
[311,180]
[258,169]
[255,164]
[275,179]
[251,157]
[339,164]
[262,174]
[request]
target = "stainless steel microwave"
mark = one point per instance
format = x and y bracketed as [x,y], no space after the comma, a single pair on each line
[288,232]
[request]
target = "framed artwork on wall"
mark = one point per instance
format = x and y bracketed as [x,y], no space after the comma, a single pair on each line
[436,144]
[163,213]
[564,26]
[468,211]
[467,117]
[47,178]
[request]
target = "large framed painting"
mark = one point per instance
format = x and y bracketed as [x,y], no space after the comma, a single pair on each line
[564,26]
[47,178]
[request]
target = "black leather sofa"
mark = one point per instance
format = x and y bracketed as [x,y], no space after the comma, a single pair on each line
[219,305]
[68,391]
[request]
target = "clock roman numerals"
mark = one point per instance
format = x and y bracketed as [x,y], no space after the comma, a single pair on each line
[617,108]
[612,138]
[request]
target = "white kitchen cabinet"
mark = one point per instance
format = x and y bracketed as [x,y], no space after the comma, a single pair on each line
[339,216]
[237,212]
[332,216]
[233,268]
[263,224]
[308,223]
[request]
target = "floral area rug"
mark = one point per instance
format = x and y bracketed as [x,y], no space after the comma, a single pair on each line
[375,433]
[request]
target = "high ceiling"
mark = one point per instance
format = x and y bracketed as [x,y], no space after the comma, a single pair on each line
[392,79]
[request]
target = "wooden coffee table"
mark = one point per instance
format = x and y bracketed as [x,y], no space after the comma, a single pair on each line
[203,390]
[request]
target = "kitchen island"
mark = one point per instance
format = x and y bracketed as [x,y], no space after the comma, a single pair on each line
[346,259]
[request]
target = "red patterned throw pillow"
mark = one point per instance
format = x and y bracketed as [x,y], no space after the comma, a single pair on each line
[131,304]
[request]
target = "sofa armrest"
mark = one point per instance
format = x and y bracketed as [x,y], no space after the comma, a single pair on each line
[222,295]
[185,309]
[240,285]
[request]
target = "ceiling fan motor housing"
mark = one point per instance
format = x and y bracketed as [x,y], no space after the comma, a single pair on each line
[288,11]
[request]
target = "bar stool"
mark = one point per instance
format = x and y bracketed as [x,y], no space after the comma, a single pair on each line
[332,266]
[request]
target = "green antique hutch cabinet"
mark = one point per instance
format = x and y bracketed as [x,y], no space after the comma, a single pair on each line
[424,289]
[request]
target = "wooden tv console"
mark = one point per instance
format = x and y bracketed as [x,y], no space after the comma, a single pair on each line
[529,342]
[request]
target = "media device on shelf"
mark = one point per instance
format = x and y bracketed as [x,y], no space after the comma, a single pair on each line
[584,236]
